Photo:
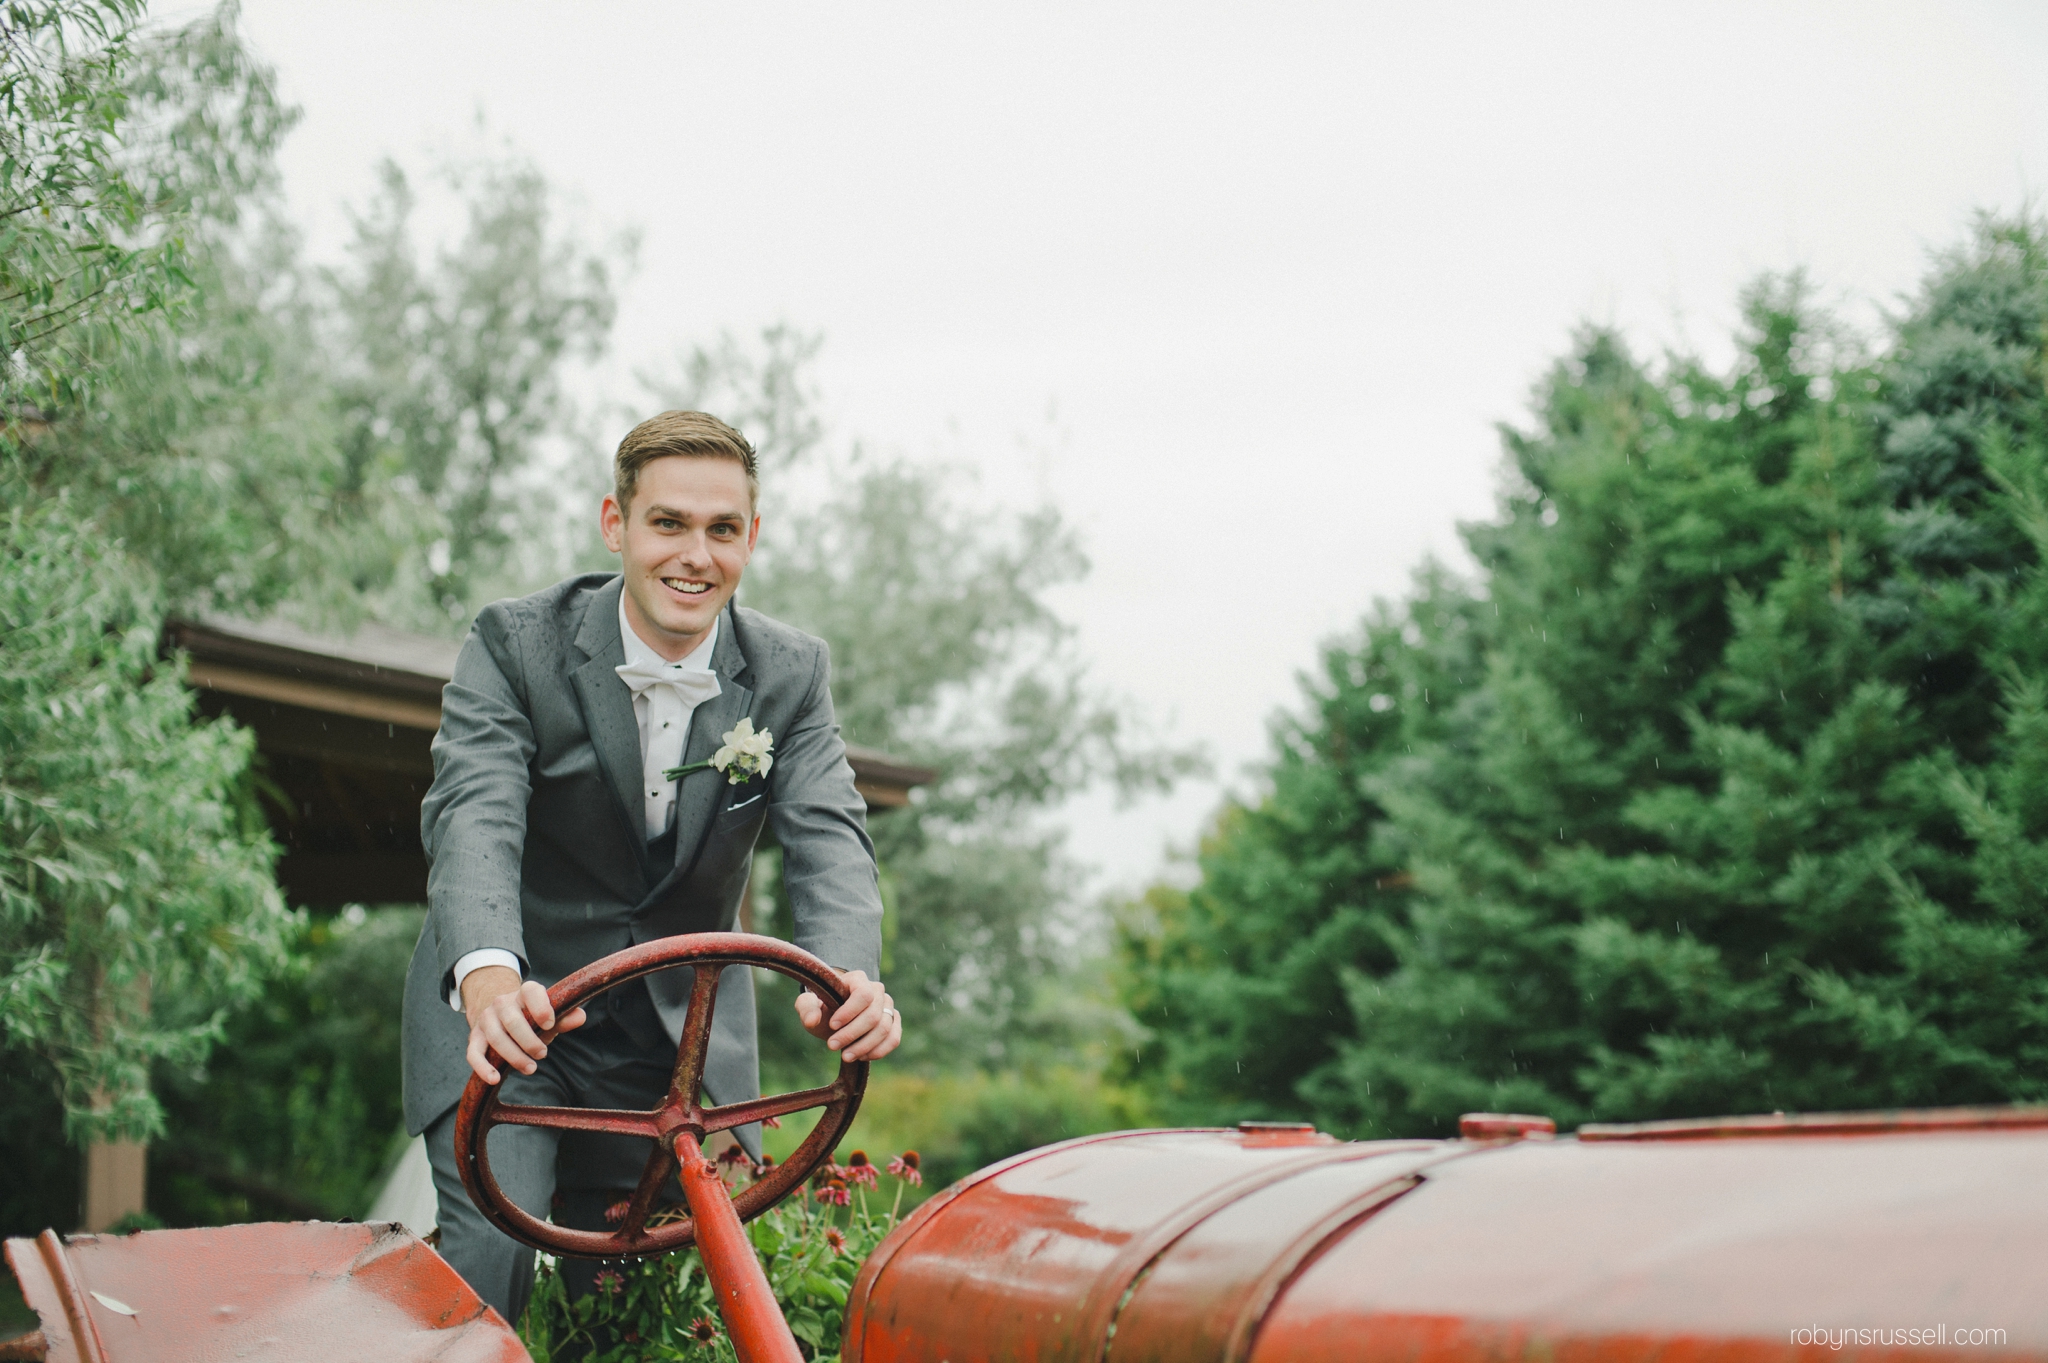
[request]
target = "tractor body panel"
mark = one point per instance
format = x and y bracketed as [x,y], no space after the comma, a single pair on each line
[1767,1240]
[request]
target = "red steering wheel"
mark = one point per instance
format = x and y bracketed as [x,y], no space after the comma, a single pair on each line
[680,1124]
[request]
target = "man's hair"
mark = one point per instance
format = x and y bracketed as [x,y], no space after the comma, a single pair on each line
[698,435]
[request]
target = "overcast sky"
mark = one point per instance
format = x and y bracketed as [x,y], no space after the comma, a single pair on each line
[1245,288]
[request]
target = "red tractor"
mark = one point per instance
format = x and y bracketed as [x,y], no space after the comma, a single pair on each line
[1901,1235]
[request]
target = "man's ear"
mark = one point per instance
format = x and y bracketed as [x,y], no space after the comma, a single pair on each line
[611,523]
[753,535]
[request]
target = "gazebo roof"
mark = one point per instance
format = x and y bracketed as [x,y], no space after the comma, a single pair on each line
[344,724]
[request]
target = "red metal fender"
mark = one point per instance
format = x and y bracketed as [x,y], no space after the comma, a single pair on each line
[285,1291]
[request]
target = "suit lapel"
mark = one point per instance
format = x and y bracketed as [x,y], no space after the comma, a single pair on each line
[608,707]
[702,794]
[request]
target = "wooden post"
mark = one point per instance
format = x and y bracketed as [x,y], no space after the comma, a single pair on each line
[116,1172]
[116,1177]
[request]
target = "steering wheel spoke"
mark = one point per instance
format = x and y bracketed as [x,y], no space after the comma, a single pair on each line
[679,1116]
[661,1163]
[696,1043]
[611,1121]
[778,1105]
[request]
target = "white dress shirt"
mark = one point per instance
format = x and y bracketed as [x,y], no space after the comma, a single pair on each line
[668,715]
[664,718]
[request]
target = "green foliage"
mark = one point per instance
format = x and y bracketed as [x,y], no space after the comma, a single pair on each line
[15,1316]
[136,901]
[152,455]
[1720,790]
[298,1112]
[994,1116]
[82,246]
[126,155]
[447,379]
[42,1184]
[205,448]
[963,1119]
[649,1310]
[1247,1005]
[176,434]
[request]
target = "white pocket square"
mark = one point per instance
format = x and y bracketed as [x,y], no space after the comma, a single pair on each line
[744,803]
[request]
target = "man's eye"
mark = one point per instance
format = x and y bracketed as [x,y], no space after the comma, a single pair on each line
[667,524]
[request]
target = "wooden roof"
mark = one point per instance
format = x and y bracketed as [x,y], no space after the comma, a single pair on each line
[344,725]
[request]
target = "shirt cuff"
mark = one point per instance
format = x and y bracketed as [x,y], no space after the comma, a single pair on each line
[476,959]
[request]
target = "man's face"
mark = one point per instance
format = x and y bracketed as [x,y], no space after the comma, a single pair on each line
[682,545]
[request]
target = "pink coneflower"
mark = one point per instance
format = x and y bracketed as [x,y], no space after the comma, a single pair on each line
[835,1194]
[733,1155]
[835,1240]
[766,1164]
[858,1170]
[775,1122]
[617,1211]
[705,1331]
[904,1166]
[610,1282]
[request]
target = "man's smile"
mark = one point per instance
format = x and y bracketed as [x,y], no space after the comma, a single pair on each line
[687,586]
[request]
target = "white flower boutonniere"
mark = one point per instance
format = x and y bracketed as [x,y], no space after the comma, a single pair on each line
[746,754]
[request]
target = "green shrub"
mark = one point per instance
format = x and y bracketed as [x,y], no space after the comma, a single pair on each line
[965,1120]
[42,1184]
[297,1114]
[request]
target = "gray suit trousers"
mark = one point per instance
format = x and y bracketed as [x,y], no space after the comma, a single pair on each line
[609,1062]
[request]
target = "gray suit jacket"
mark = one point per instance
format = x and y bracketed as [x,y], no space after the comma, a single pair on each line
[534,824]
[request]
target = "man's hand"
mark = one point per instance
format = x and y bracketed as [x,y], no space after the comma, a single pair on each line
[507,1017]
[865,1027]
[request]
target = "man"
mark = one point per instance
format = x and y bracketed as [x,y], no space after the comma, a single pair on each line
[556,839]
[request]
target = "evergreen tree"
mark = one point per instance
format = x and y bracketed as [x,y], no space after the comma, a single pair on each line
[1727,800]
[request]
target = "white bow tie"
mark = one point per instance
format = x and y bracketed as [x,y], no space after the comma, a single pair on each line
[672,694]
[692,685]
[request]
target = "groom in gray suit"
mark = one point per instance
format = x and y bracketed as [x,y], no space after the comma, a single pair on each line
[556,839]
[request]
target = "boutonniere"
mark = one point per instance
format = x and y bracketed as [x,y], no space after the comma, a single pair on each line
[746,754]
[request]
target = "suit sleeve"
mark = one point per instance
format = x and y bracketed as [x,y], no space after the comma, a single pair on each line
[828,861]
[473,821]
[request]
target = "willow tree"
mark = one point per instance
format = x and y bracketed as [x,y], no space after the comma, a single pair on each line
[136,901]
